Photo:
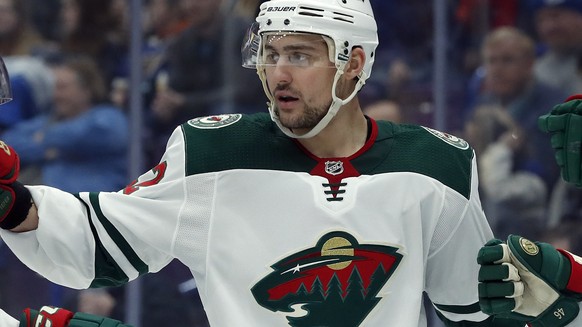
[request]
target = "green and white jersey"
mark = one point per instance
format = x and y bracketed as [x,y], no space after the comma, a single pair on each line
[276,236]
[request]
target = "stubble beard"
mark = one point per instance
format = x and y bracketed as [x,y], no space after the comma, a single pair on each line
[311,116]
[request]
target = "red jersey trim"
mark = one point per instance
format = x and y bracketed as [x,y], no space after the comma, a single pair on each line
[575,282]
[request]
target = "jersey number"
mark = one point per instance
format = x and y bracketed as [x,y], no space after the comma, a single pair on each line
[159,172]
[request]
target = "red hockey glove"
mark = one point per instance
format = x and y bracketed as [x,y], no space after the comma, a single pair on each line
[9,164]
[58,317]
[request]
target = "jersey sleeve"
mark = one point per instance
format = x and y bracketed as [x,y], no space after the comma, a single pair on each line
[452,269]
[6,320]
[106,239]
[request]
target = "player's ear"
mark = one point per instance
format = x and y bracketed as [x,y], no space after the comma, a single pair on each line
[356,63]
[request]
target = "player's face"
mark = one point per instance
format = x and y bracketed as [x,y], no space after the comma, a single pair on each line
[300,77]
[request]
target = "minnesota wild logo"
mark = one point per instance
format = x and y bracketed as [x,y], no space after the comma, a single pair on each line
[528,246]
[334,283]
[448,138]
[214,122]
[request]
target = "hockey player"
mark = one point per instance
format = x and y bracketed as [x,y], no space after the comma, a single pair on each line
[311,215]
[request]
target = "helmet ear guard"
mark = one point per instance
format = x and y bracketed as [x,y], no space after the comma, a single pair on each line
[344,25]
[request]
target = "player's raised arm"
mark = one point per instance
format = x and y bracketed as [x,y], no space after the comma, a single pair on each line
[18,214]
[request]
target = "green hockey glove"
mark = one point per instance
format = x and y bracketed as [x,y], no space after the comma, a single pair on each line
[564,123]
[526,281]
[58,317]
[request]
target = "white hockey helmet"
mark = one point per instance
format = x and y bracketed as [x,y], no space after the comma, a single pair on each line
[346,23]
[5,89]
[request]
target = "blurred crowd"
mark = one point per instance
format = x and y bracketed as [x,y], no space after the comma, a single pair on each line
[509,61]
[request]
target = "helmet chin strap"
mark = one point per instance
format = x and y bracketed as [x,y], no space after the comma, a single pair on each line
[336,104]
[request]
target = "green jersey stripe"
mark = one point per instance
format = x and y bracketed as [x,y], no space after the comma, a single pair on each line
[459,309]
[107,272]
[116,236]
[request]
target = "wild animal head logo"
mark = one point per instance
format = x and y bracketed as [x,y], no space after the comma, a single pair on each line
[334,283]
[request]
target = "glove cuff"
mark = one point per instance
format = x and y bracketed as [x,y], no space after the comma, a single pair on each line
[575,281]
[45,317]
[59,317]
[574,97]
[15,206]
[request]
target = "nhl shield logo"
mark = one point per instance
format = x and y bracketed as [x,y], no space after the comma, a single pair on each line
[334,167]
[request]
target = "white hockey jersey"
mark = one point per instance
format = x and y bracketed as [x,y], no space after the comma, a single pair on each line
[276,236]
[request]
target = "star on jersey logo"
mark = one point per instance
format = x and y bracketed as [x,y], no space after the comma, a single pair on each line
[334,283]
[298,268]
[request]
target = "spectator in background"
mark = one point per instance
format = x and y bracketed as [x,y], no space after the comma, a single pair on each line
[71,144]
[404,58]
[475,18]
[91,28]
[163,21]
[18,35]
[512,197]
[32,88]
[201,73]
[45,16]
[165,18]
[19,40]
[559,27]
[507,79]
[200,82]
[565,205]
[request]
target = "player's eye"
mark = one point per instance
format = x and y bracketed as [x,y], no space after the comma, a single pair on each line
[271,58]
[299,59]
